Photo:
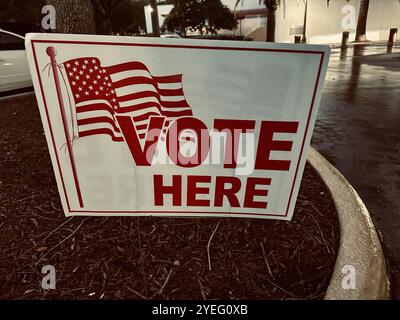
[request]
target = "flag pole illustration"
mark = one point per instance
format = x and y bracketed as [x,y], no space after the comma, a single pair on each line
[51,52]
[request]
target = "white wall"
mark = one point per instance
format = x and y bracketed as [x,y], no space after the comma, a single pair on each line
[324,24]
[163,10]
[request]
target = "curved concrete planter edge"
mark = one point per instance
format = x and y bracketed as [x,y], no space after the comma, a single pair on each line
[359,244]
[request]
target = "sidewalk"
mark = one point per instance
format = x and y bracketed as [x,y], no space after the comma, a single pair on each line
[391,60]
[358,131]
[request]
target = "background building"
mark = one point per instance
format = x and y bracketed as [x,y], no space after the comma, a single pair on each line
[163,11]
[326,20]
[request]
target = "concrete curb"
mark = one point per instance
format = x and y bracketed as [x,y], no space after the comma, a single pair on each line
[359,243]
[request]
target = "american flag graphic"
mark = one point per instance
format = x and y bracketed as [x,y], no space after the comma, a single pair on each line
[128,88]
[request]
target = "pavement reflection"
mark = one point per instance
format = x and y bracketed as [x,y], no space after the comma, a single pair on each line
[358,130]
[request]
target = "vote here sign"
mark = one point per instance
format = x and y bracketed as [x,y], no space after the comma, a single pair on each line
[174,127]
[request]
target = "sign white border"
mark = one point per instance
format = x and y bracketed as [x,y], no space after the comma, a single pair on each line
[323,51]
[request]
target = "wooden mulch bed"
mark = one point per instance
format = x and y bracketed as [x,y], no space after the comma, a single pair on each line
[149,258]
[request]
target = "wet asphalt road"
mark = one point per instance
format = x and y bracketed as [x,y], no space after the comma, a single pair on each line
[358,130]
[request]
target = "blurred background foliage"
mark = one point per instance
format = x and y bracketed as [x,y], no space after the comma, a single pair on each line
[204,16]
[75,16]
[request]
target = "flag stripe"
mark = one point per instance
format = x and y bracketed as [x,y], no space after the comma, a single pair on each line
[99,120]
[151,94]
[165,82]
[152,105]
[137,118]
[144,80]
[138,88]
[135,65]
[170,106]
[101,131]
[175,78]
[94,107]
[145,116]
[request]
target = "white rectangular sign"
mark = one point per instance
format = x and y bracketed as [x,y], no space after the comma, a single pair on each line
[173,127]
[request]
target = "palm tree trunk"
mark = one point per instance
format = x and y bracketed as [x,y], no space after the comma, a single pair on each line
[271,25]
[362,21]
[101,17]
[74,16]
